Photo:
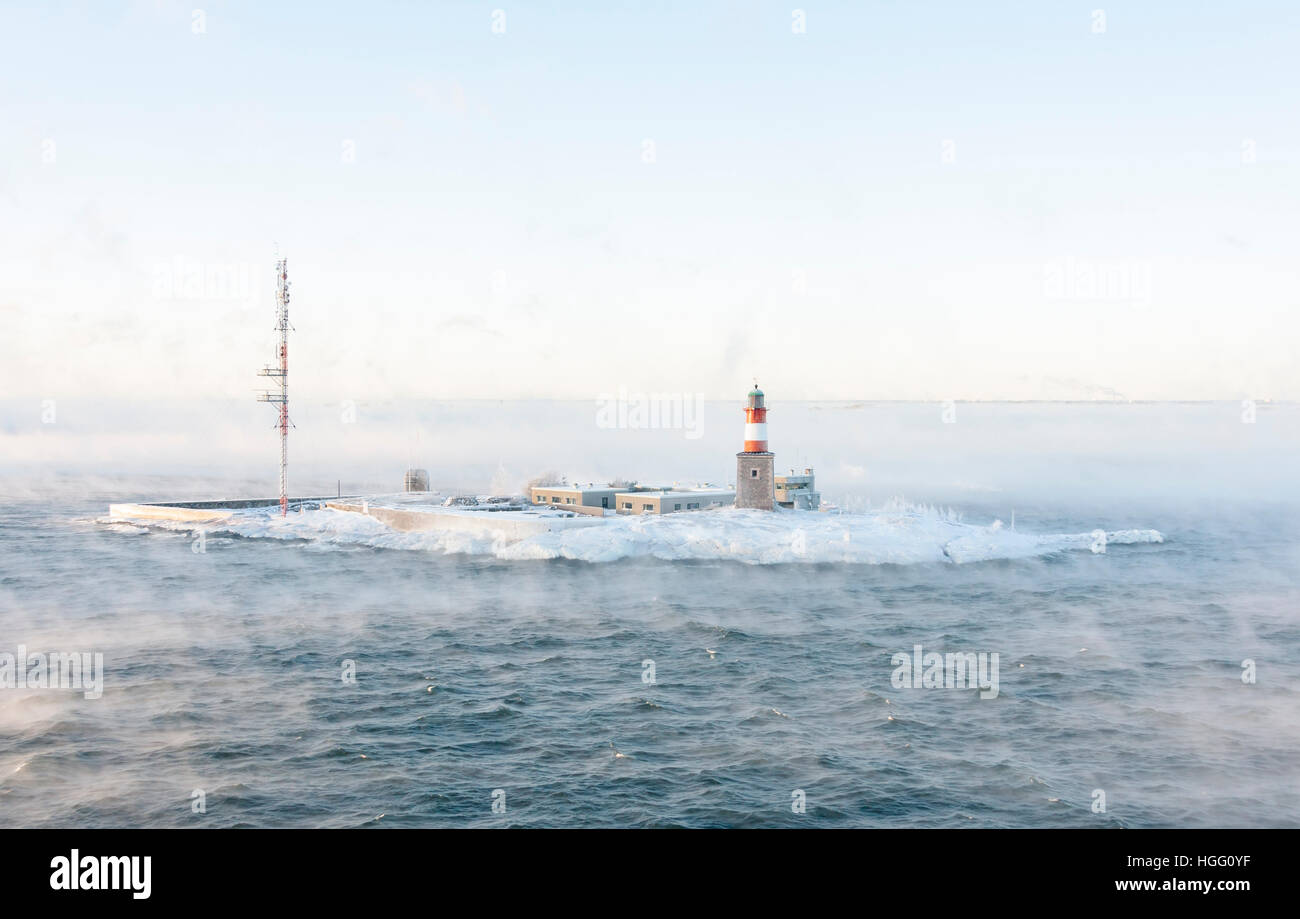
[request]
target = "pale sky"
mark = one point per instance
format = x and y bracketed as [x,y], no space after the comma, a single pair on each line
[903,201]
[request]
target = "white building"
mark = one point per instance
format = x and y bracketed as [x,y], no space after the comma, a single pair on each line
[574,495]
[798,491]
[673,501]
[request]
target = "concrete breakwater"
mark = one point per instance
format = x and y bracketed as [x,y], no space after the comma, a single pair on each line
[197,511]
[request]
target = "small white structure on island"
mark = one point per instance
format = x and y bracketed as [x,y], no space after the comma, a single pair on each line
[798,492]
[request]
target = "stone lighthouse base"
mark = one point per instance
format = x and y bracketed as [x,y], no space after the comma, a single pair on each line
[755,480]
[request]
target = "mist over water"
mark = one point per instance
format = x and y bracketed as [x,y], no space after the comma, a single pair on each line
[483,667]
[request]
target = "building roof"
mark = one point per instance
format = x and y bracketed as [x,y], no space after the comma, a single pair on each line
[683,493]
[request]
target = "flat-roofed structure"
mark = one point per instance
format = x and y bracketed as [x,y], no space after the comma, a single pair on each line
[574,495]
[673,501]
[798,491]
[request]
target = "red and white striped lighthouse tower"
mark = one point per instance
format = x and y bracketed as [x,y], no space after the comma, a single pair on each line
[755,422]
[755,478]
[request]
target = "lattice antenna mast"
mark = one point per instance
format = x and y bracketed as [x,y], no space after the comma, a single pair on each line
[281,373]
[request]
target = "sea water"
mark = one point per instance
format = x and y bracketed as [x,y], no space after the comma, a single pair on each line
[720,668]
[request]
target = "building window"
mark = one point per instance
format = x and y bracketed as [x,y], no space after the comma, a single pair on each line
[604,502]
[692,507]
[627,505]
[555,499]
[677,507]
[753,473]
[647,507]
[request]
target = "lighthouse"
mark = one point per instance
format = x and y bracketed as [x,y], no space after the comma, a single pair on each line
[755,481]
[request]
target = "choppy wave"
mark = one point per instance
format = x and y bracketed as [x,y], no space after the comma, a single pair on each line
[897,534]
